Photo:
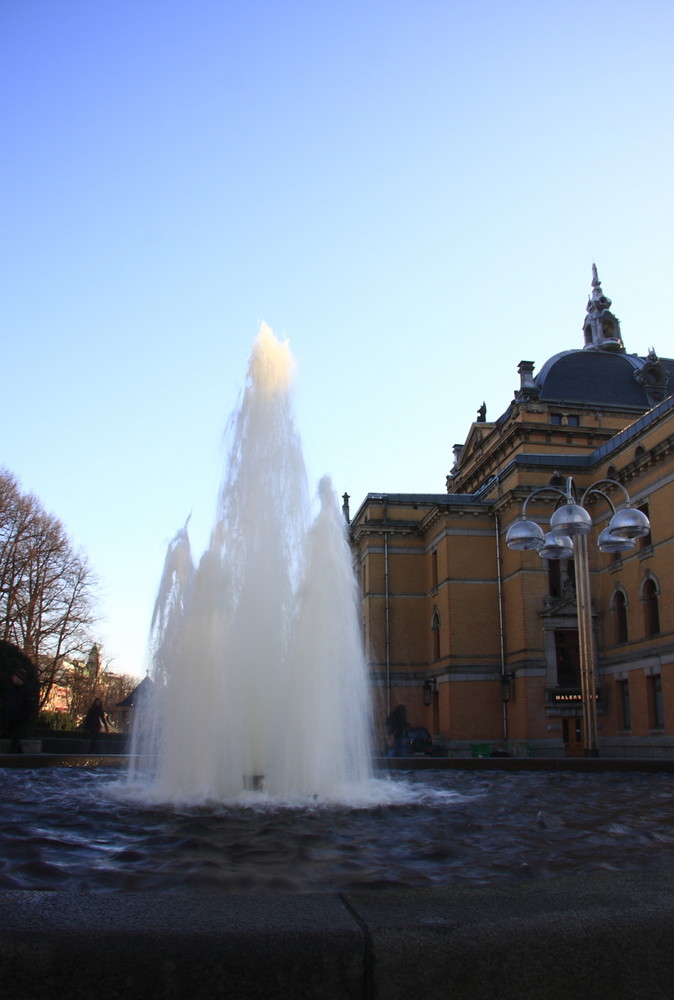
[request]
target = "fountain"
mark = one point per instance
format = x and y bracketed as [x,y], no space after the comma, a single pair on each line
[253,779]
[259,674]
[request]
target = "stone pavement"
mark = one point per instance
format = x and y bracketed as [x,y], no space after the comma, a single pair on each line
[600,935]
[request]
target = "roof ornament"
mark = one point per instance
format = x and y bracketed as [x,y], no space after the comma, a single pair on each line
[528,388]
[654,378]
[345,507]
[597,300]
[601,329]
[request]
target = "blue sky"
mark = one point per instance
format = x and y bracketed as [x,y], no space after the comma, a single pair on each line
[412,193]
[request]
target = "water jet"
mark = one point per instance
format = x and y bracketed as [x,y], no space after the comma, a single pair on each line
[258,664]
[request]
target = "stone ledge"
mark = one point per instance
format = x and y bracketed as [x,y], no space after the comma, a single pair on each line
[138,946]
[600,935]
[580,764]
[603,934]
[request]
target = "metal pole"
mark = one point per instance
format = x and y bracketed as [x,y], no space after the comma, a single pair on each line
[624,527]
[499,581]
[588,670]
[387,625]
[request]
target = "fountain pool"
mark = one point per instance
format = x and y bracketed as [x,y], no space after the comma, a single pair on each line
[69,829]
[250,785]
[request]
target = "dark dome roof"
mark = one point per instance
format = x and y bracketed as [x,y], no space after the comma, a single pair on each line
[602,377]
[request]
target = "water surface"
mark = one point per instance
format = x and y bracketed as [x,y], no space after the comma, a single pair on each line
[67,829]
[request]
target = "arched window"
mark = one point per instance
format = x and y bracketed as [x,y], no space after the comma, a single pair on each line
[619,608]
[649,597]
[435,628]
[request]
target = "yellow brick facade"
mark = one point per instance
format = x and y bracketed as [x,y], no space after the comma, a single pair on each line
[478,641]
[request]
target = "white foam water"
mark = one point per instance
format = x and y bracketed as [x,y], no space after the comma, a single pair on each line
[259,675]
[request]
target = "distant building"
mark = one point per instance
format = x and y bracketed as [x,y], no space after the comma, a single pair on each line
[122,714]
[57,700]
[480,643]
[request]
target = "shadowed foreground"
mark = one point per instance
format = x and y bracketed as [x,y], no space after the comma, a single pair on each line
[583,935]
[600,935]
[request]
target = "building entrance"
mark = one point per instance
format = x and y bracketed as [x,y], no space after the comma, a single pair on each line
[573,736]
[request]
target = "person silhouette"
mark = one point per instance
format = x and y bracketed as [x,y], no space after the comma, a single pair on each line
[19,703]
[397,727]
[93,720]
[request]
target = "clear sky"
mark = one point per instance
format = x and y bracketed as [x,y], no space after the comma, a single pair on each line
[411,193]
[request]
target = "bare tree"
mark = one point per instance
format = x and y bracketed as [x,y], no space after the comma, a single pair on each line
[46,587]
[86,681]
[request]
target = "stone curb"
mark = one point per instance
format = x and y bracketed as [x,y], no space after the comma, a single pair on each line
[603,934]
[651,765]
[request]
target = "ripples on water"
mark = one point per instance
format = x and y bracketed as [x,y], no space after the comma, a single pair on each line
[68,829]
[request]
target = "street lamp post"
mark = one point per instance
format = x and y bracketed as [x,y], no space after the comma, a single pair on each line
[570,524]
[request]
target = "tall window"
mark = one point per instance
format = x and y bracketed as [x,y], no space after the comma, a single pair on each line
[435,627]
[645,540]
[561,576]
[657,710]
[554,578]
[624,704]
[568,658]
[649,596]
[620,611]
[434,569]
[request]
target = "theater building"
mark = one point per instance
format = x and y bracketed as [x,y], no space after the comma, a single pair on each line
[481,642]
